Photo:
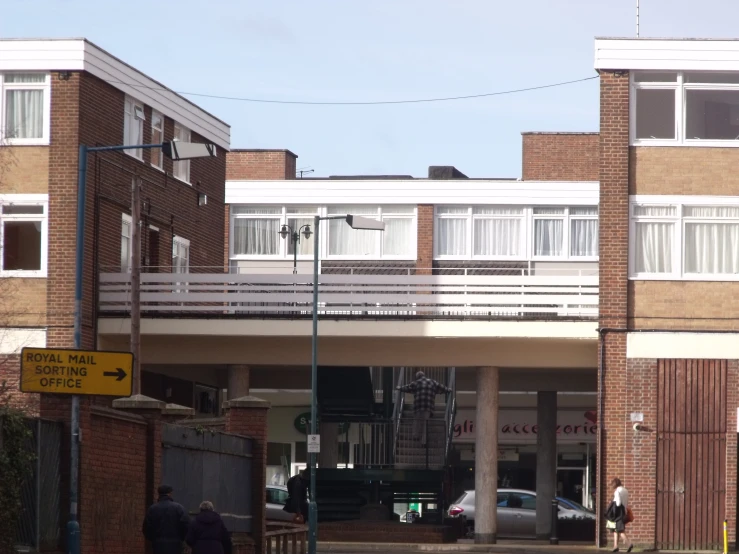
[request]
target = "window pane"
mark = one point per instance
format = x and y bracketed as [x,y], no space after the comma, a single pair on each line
[548,237]
[157,137]
[712,114]
[256,237]
[304,210]
[256,210]
[397,238]
[655,113]
[496,210]
[590,210]
[22,245]
[353,210]
[655,77]
[549,211]
[584,237]
[653,247]
[181,169]
[452,237]
[497,237]
[24,113]
[711,211]
[16,209]
[710,77]
[345,241]
[712,248]
[397,209]
[655,211]
[305,246]
[25,77]
[125,246]
[454,210]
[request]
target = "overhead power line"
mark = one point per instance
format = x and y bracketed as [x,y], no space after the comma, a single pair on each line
[367,103]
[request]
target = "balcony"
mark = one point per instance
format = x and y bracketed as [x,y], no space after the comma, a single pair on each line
[518,294]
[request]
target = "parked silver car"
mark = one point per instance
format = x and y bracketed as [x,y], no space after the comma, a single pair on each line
[276,500]
[516,512]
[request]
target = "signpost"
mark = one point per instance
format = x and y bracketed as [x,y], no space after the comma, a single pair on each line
[61,371]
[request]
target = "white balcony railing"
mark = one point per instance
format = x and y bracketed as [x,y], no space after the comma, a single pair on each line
[355,296]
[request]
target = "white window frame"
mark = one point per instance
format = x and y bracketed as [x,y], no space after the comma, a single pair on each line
[46,88]
[308,212]
[27,200]
[181,241]
[154,115]
[184,134]
[133,115]
[527,218]
[680,88]
[126,219]
[678,272]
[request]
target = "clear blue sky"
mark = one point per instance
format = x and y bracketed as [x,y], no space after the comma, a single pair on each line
[378,50]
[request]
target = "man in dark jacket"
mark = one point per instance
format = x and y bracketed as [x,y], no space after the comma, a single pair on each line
[165,524]
[297,490]
[207,533]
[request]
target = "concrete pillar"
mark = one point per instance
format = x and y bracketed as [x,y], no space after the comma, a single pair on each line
[238,381]
[546,461]
[329,455]
[486,456]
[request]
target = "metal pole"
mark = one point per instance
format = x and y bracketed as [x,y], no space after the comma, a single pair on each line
[637,18]
[312,508]
[136,282]
[73,526]
[553,539]
[296,239]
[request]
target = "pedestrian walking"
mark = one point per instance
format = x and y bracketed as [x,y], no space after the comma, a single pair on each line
[297,496]
[424,392]
[619,515]
[207,534]
[165,524]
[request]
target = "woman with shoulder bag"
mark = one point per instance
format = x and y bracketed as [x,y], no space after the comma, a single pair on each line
[618,514]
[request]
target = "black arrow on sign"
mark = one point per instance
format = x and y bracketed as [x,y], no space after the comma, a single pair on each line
[119,373]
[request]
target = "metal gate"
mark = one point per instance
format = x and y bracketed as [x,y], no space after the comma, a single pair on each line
[691,454]
[201,464]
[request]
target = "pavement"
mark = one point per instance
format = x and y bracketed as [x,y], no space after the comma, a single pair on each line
[502,547]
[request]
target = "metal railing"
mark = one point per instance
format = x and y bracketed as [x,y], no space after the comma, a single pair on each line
[355,296]
[451,411]
[285,538]
[375,445]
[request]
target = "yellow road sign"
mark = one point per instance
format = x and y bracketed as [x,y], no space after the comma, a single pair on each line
[60,371]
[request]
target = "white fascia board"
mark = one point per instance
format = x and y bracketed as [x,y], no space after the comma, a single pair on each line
[656,54]
[413,192]
[81,55]
[683,346]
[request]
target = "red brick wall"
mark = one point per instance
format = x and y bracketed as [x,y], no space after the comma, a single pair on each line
[425,240]
[260,164]
[112,488]
[560,157]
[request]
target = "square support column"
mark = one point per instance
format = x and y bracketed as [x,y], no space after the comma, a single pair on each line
[486,456]
[546,461]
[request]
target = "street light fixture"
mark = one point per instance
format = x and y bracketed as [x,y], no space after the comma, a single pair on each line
[358,223]
[287,231]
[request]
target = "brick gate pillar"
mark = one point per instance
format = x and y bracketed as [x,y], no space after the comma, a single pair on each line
[247,416]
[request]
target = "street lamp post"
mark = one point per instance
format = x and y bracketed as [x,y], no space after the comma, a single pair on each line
[287,231]
[358,223]
[177,151]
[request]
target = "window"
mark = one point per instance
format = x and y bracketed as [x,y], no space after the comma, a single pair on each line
[180,255]
[516,233]
[255,232]
[276,496]
[133,126]
[23,235]
[182,167]
[157,137]
[206,400]
[696,238]
[691,107]
[126,246]
[24,108]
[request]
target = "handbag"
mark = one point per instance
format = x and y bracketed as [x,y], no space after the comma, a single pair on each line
[629,516]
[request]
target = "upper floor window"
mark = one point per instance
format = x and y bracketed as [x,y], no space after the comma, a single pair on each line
[24,108]
[182,168]
[126,247]
[516,232]
[699,108]
[157,137]
[696,238]
[180,255]
[133,126]
[23,235]
[255,232]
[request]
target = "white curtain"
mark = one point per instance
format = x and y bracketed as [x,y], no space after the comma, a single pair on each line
[712,248]
[398,239]
[24,113]
[305,246]
[584,237]
[653,249]
[345,241]
[497,237]
[125,246]
[548,237]
[180,257]
[451,236]
[256,237]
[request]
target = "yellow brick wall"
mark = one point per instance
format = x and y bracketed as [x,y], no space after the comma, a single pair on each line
[24,170]
[22,301]
[684,170]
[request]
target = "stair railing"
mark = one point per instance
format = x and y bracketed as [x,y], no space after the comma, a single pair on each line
[451,411]
[398,409]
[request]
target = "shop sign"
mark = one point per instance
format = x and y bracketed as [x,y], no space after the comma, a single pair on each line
[519,426]
[302,424]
